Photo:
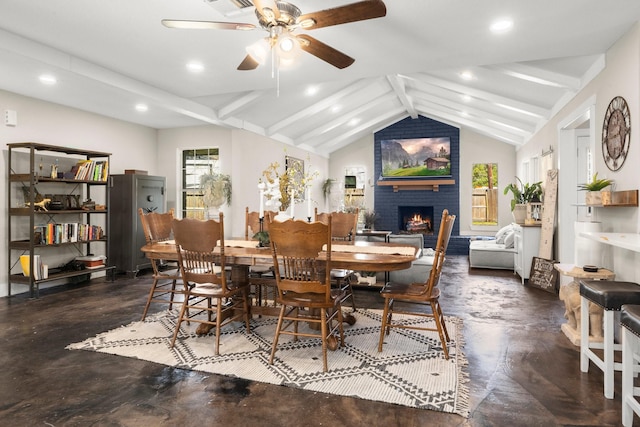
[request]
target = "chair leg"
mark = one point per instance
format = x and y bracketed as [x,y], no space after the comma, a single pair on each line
[584,334]
[218,323]
[150,297]
[325,337]
[609,362]
[444,325]
[180,317]
[383,327]
[440,326]
[172,295]
[275,338]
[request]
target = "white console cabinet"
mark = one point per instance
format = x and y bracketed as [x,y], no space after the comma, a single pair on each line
[526,242]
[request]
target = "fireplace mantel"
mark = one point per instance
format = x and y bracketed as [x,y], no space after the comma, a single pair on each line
[418,184]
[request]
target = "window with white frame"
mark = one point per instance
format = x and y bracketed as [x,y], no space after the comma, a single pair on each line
[484,196]
[195,163]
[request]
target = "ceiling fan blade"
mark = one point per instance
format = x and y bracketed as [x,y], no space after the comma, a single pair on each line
[268,9]
[248,63]
[324,52]
[206,25]
[353,12]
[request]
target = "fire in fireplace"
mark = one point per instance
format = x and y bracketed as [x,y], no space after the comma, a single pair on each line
[416,219]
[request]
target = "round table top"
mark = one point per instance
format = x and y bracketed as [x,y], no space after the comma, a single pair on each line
[576,272]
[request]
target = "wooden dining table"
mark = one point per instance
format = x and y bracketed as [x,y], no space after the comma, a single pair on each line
[240,254]
[359,256]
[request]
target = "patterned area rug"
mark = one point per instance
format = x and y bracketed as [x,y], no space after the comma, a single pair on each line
[411,369]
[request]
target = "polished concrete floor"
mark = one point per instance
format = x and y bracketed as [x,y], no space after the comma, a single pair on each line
[523,371]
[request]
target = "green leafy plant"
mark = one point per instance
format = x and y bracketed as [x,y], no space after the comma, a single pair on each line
[524,193]
[216,189]
[369,217]
[326,187]
[263,238]
[595,184]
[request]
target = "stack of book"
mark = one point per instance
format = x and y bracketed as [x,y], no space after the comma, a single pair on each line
[25,262]
[91,170]
[55,234]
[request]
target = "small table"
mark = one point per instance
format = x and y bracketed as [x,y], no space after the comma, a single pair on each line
[570,294]
[374,233]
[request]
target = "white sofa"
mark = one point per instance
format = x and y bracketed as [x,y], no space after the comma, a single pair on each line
[497,252]
[420,268]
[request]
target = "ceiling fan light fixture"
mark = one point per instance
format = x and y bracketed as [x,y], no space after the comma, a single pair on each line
[307,23]
[288,46]
[259,50]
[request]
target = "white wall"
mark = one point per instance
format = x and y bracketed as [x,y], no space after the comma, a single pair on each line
[133,146]
[359,153]
[476,148]
[619,78]
[244,156]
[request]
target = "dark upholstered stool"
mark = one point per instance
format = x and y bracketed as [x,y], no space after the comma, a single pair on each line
[610,295]
[630,321]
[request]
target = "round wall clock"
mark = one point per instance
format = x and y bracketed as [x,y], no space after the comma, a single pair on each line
[616,132]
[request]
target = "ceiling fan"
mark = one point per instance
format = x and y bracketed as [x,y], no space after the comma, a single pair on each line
[281,20]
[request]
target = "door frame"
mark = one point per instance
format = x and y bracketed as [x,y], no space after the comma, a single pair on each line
[580,122]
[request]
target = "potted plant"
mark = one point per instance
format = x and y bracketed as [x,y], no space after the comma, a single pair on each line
[594,189]
[326,187]
[523,193]
[216,191]
[369,217]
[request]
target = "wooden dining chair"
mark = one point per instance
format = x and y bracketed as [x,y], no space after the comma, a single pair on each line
[343,228]
[261,278]
[157,228]
[304,288]
[205,278]
[418,295]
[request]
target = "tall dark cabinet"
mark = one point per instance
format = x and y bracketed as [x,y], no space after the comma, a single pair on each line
[129,192]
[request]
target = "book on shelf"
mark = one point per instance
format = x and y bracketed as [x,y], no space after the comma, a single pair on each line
[71,232]
[91,170]
[38,267]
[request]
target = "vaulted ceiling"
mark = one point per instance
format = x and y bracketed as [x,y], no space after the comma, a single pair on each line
[109,56]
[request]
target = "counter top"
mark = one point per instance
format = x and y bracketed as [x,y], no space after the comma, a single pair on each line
[630,241]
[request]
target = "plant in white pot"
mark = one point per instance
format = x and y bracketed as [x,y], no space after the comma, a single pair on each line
[594,189]
[216,191]
[523,193]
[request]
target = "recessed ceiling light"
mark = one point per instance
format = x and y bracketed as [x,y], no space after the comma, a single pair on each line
[336,108]
[195,67]
[466,75]
[354,121]
[501,26]
[311,90]
[142,107]
[48,79]
[466,98]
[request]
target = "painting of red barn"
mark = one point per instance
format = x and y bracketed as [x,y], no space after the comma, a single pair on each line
[416,157]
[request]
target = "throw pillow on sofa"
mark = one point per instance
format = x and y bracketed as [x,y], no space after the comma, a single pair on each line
[502,233]
[509,240]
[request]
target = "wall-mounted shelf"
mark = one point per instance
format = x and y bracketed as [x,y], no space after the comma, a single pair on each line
[630,241]
[417,184]
[626,198]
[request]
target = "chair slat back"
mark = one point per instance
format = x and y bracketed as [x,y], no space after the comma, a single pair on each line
[343,224]
[296,246]
[195,241]
[252,223]
[156,226]
[444,234]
